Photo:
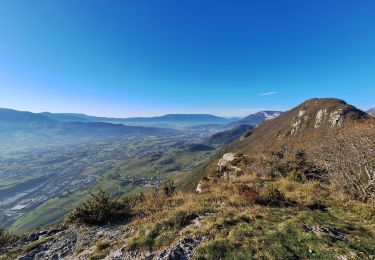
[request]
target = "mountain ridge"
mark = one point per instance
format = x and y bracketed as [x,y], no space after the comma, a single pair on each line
[33,130]
[299,128]
[227,137]
[163,121]
[256,118]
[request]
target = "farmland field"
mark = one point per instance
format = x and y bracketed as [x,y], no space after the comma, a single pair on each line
[39,186]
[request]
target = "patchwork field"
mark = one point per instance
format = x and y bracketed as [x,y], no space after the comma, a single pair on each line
[40,186]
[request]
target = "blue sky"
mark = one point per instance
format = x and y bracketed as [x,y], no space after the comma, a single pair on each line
[141,58]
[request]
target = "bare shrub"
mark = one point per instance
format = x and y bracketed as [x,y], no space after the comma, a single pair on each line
[349,159]
[292,164]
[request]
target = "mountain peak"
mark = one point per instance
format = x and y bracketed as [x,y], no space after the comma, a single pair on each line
[312,119]
[256,119]
[323,112]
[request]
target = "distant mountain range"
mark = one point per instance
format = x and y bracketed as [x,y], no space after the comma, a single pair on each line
[371,111]
[41,129]
[32,130]
[238,128]
[169,120]
[165,121]
[14,116]
[256,119]
[21,120]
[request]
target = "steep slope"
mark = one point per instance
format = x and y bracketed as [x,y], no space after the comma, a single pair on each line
[306,123]
[301,128]
[226,137]
[196,148]
[256,119]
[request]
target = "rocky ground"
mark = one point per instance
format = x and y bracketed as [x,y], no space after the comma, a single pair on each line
[75,242]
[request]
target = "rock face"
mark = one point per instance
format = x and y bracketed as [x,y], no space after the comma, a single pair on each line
[335,233]
[199,188]
[322,113]
[225,167]
[62,243]
[54,244]
[183,250]
[323,117]
[320,117]
[228,157]
[74,243]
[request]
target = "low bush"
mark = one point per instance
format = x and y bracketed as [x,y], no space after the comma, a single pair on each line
[101,209]
[272,196]
[102,245]
[294,165]
[6,237]
[169,188]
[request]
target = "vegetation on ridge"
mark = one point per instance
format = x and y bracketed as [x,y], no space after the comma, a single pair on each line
[100,209]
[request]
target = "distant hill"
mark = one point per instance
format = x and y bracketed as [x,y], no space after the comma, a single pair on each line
[189,118]
[65,123]
[69,117]
[166,121]
[227,137]
[196,148]
[371,111]
[256,119]
[34,130]
[169,120]
[14,116]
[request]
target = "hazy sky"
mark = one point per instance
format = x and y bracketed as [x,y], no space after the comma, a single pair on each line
[136,58]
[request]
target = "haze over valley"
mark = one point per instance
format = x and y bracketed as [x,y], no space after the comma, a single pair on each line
[50,162]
